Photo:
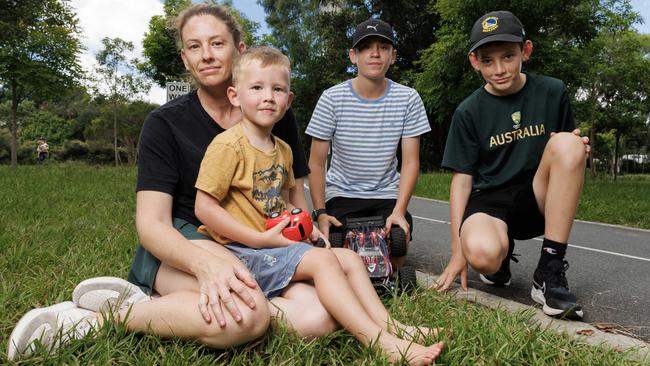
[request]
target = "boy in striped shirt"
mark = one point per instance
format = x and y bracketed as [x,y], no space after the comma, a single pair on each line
[366,119]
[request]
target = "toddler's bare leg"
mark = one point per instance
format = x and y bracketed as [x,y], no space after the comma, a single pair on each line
[357,276]
[323,267]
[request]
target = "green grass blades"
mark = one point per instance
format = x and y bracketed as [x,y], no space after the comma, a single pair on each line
[61,224]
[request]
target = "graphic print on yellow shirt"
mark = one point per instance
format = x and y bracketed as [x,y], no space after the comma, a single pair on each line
[267,188]
[247,182]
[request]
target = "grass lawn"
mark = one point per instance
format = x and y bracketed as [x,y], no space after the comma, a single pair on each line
[64,223]
[621,202]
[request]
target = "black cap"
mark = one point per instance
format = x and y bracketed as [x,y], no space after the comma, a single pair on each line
[496,26]
[373,27]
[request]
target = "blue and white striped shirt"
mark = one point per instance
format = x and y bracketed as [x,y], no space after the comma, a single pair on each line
[365,135]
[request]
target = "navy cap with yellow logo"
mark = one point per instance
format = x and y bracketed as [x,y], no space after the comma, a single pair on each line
[496,26]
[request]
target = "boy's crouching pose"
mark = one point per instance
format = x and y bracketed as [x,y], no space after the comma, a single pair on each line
[246,175]
[518,167]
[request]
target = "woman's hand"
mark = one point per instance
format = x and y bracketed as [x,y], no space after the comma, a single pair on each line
[219,282]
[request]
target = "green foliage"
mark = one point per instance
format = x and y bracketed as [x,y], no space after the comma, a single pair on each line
[129,116]
[48,125]
[85,228]
[613,98]
[38,51]
[163,62]
[117,73]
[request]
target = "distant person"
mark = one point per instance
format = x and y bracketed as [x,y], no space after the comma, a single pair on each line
[246,175]
[42,150]
[366,120]
[201,291]
[518,165]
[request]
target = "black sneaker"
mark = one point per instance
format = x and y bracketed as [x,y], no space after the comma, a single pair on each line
[551,290]
[502,276]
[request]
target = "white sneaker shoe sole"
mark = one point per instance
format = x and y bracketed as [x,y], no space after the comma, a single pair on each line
[105,294]
[486,281]
[37,324]
[538,296]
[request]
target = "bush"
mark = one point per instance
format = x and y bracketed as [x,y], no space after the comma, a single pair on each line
[100,153]
[92,152]
[74,150]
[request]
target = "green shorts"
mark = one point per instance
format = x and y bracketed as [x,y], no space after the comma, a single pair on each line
[145,266]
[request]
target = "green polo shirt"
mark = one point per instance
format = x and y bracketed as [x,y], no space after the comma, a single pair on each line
[497,139]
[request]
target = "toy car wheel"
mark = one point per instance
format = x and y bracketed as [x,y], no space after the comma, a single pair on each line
[407,279]
[398,243]
[336,240]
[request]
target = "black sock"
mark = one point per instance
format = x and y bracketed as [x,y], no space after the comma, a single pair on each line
[551,250]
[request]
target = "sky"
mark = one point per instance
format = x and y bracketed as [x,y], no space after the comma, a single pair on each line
[129,20]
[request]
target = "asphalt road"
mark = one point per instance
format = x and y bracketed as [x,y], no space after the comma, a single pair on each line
[609,266]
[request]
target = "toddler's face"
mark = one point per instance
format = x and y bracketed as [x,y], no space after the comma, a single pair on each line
[262,93]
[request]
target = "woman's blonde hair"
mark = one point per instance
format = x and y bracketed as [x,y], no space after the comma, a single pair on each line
[220,12]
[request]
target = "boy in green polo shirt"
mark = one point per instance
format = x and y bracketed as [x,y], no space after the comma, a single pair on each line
[518,167]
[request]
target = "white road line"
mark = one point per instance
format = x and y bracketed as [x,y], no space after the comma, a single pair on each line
[540,239]
[432,220]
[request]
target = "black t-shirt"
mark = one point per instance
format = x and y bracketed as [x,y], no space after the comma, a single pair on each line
[172,144]
[497,139]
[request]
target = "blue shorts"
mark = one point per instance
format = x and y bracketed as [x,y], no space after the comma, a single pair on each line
[273,268]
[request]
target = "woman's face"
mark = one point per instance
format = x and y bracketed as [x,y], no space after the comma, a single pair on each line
[209,50]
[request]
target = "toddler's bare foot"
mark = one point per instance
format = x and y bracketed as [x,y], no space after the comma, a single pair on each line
[413,333]
[415,354]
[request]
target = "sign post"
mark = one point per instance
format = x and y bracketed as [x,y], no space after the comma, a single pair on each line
[177,88]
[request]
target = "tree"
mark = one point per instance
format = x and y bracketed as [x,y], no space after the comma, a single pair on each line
[130,117]
[120,79]
[38,52]
[613,97]
[161,48]
[561,33]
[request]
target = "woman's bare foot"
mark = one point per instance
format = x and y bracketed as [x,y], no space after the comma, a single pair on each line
[415,354]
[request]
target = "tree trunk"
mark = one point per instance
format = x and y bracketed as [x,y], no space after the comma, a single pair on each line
[14,124]
[117,155]
[592,142]
[616,156]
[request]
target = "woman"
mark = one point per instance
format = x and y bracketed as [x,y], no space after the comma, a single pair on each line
[174,261]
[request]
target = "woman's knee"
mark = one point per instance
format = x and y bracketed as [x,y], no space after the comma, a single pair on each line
[253,325]
[315,323]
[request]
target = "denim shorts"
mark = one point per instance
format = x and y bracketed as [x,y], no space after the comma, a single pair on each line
[272,268]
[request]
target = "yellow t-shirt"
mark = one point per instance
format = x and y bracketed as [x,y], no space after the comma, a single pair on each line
[247,182]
